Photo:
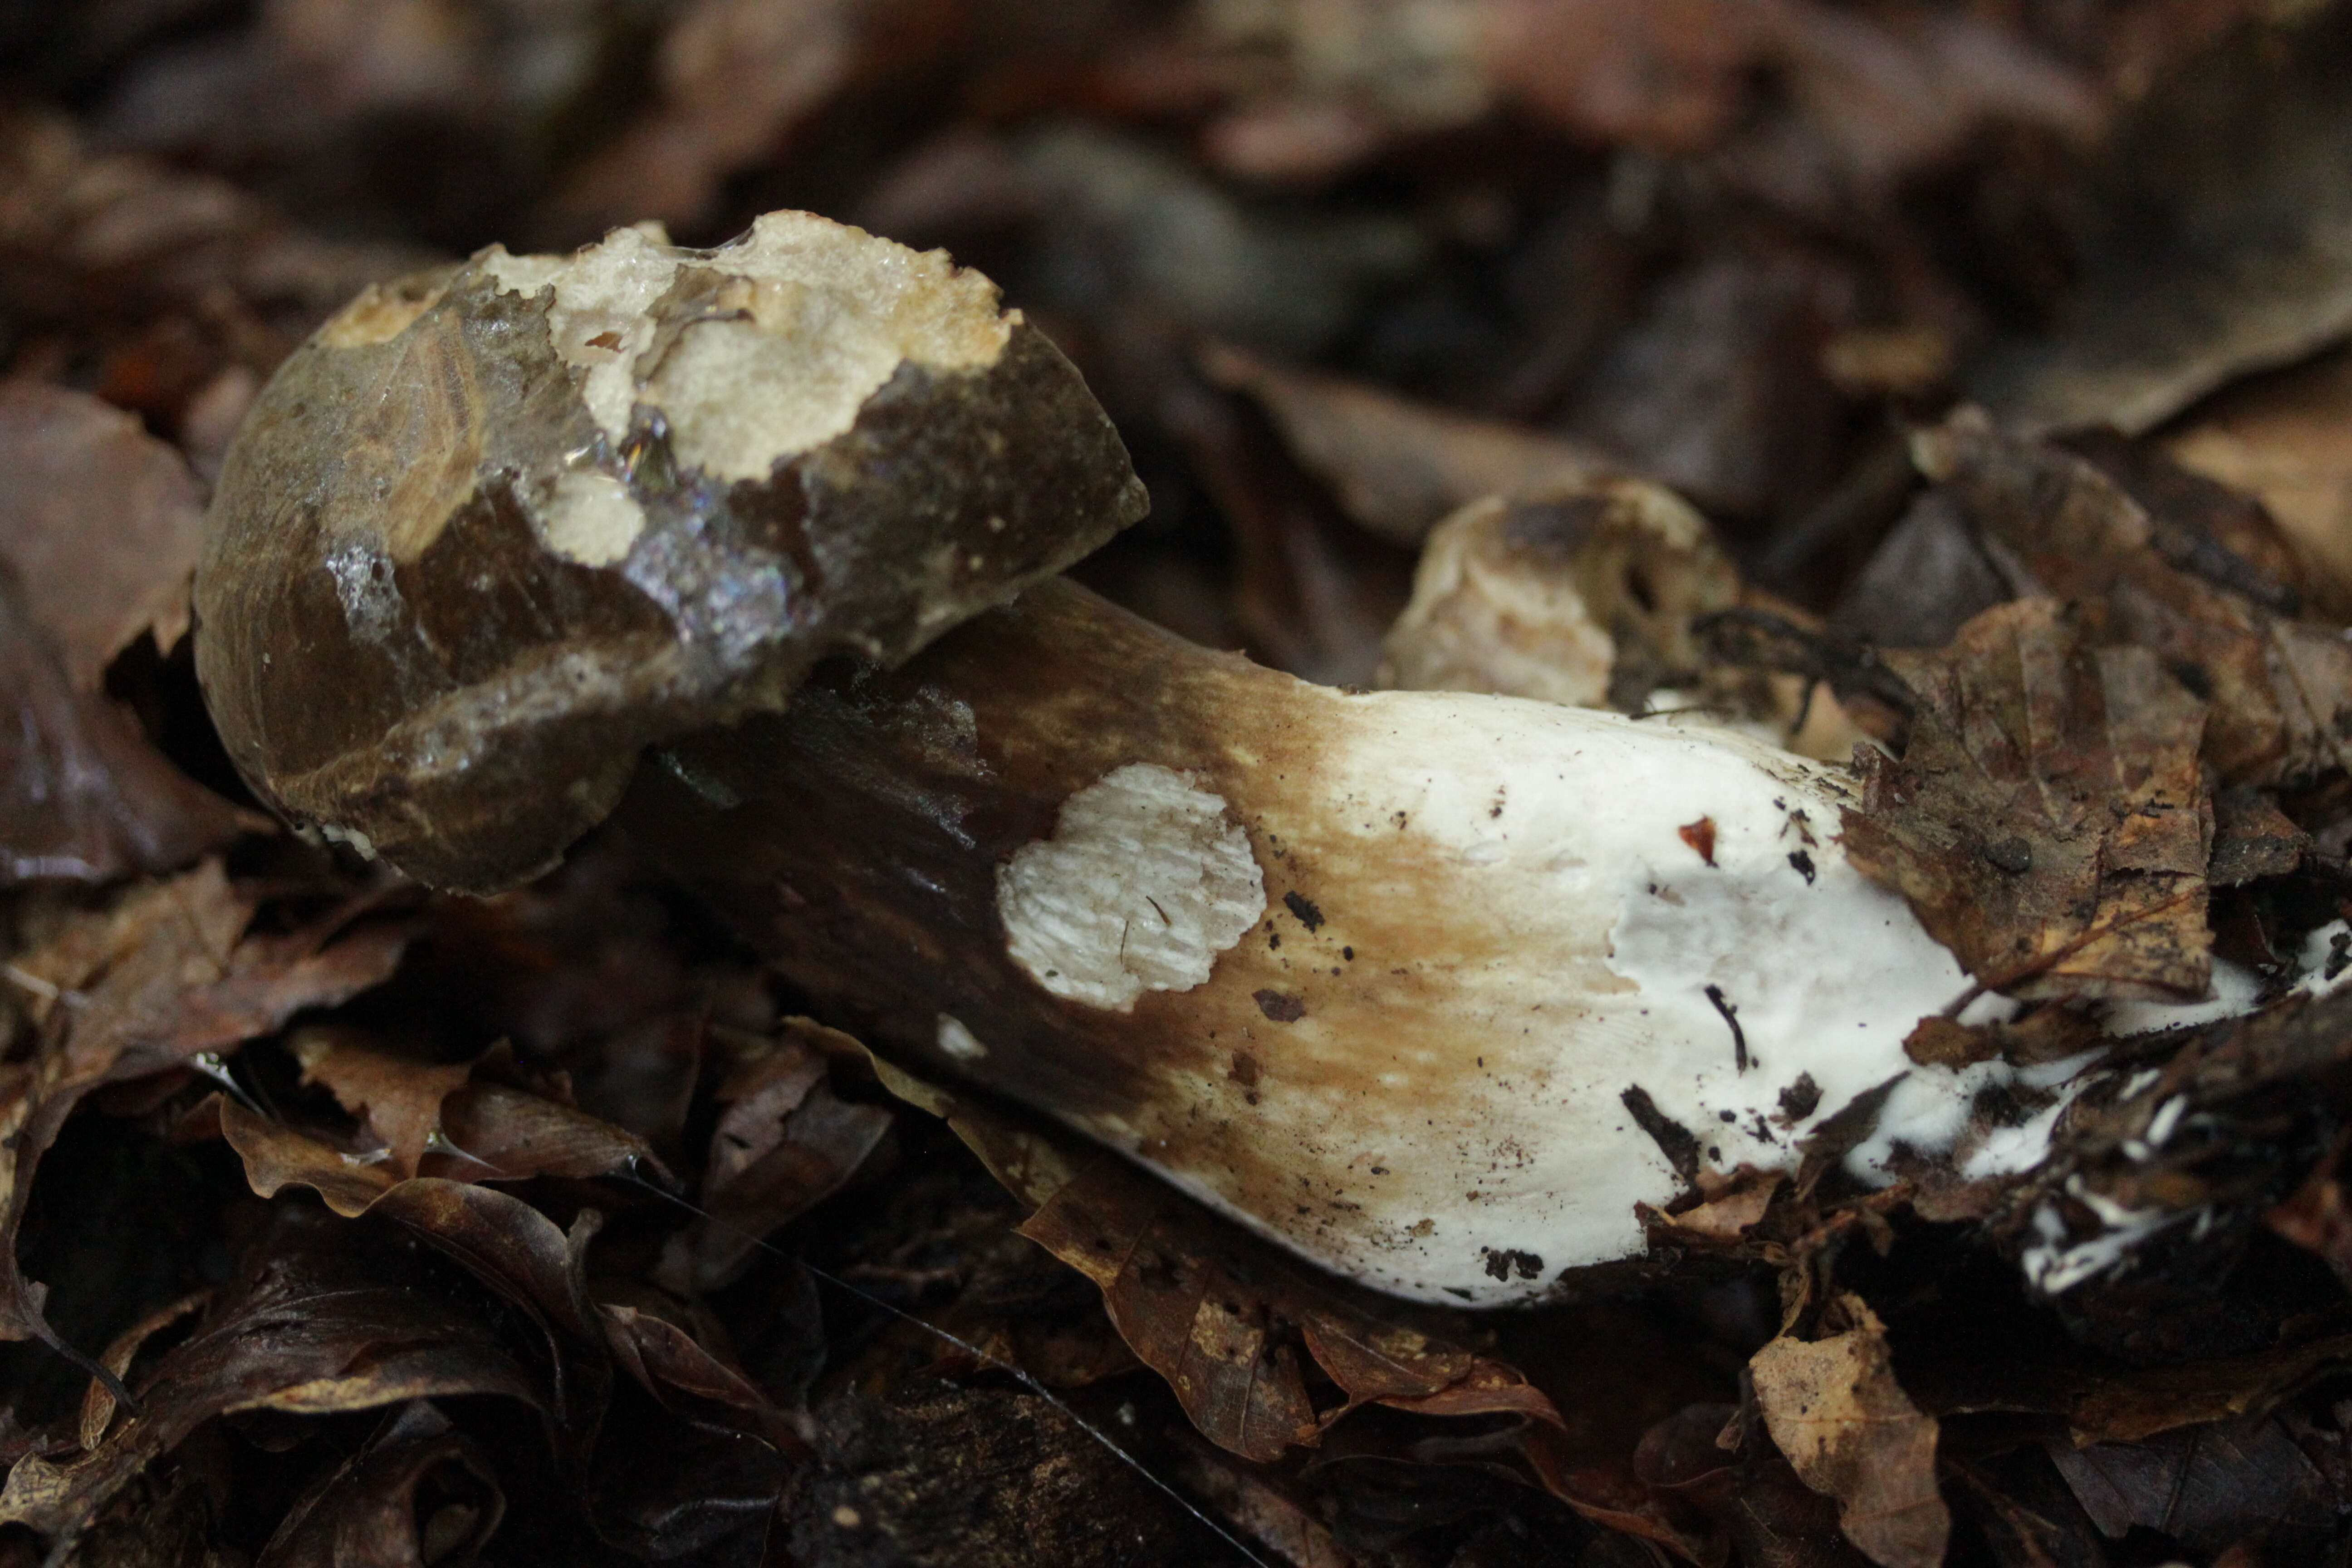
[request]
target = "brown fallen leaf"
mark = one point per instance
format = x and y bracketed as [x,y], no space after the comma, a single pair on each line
[100,521]
[1313,594]
[2048,820]
[466,1129]
[420,1492]
[784,1141]
[493,1132]
[734,78]
[1220,1314]
[2202,1485]
[83,795]
[316,1321]
[167,973]
[399,1096]
[1834,1408]
[2278,689]
[1715,1461]
[2287,440]
[1396,467]
[691,1380]
[180,288]
[2215,241]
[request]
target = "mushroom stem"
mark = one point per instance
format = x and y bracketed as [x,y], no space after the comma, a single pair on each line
[1432,988]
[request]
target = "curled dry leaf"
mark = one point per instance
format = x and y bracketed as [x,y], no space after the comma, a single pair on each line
[505,1243]
[2278,690]
[2287,440]
[691,1380]
[399,1096]
[2201,1485]
[735,78]
[2048,820]
[166,974]
[471,1130]
[1398,467]
[783,1142]
[1219,1314]
[316,1321]
[102,518]
[2217,239]
[83,796]
[1834,1408]
[420,1492]
[182,288]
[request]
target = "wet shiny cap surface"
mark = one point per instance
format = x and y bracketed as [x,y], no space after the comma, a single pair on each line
[494,530]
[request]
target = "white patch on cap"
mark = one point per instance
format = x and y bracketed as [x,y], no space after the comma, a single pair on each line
[1145,881]
[814,318]
[590,518]
[599,322]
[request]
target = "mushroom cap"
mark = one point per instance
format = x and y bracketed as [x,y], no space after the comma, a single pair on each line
[495,530]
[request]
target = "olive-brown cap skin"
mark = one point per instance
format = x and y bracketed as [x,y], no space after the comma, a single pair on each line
[443,609]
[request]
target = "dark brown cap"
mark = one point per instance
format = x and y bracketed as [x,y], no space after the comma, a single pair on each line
[494,530]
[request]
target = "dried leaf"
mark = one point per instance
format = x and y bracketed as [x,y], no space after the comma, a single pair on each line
[494,1133]
[399,1096]
[164,975]
[784,1141]
[2218,240]
[2048,819]
[2278,691]
[420,1492]
[735,77]
[1834,1408]
[82,795]
[2203,1486]
[99,519]
[1218,1314]
[2287,440]
[471,1130]
[690,1379]
[312,1324]
[181,289]
[505,1243]
[1396,467]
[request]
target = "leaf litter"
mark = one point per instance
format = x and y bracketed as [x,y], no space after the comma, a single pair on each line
[549,1230]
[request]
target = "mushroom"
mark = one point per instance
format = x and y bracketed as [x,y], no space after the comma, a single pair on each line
[494,529]
[1433,988]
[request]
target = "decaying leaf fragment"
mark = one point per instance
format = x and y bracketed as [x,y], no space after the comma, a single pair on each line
[1834,1408]
[2048,820]
[1396,467]
[783,1141]
[1221,1315]
[2287,440]
[420,1491]
[2278,689]
[99,514]
[83,796]
[167,973]
[2217,231]
[312,1324]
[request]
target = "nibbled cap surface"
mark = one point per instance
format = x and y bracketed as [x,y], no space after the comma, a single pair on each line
[495,530]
